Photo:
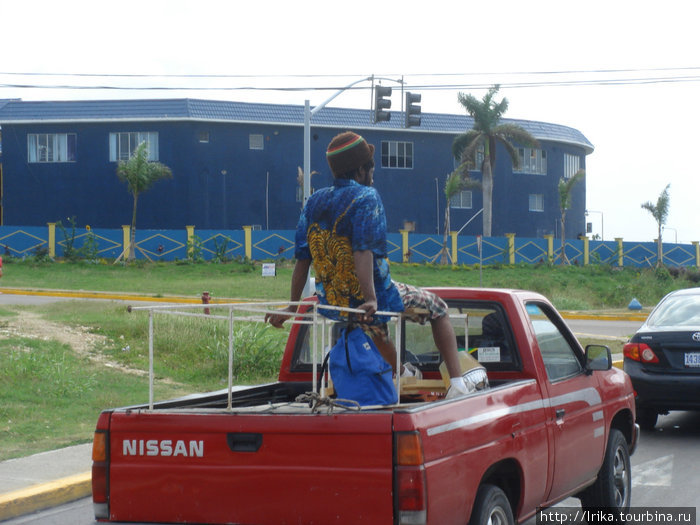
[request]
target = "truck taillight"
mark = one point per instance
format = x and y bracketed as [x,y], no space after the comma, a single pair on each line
[639,352]
[100,468]
[409,479]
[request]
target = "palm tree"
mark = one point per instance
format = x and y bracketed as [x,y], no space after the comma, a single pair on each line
[455,183]
[139,175]
[486,133]
[660,213]
[565,186]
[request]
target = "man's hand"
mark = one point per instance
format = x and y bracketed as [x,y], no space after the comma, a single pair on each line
[278,319]
[369,307]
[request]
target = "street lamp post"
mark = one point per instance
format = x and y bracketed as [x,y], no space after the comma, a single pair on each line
[308,113]
[602,231]
[674,231]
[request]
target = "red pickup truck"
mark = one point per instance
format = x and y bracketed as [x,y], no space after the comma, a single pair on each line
[557,421]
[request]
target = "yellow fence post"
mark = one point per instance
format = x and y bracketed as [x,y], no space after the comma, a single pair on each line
[511,248]
[404,245]
[550,247]
[190,240]
[52,239]
[126,239]
[620,254]
[697,253]
[248,231]
[454,247]
[586,254]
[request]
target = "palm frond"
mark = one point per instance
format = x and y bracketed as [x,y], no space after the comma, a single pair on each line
[485,112]
[565,187]
[465,144]
[518,134]
[512,152]
[659,210]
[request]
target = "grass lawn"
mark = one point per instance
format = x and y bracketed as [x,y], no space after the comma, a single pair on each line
[52,393]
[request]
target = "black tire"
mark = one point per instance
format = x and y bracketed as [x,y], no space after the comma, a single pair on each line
[646,418]
[613,488]
[491,507]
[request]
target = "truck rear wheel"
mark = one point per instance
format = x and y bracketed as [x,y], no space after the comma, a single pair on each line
[613,488]
[491,507]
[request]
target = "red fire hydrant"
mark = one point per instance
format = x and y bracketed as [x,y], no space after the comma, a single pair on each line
[205,300]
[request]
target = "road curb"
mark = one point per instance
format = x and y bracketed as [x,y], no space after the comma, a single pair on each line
[100,295]
[83,294]
[44,495]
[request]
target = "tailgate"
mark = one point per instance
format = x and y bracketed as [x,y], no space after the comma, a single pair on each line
[251,468]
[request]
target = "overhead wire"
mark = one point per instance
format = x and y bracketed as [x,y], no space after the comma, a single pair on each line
[613,77]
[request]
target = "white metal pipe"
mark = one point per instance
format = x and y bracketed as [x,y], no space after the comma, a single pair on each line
[230,359]
[150,360]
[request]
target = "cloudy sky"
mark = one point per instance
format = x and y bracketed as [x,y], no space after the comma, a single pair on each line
[624,73]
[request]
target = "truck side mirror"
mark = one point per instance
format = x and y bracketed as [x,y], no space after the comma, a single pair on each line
[598,357]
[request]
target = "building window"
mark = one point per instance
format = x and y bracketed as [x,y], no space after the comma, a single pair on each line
[532,161]
[397,154]
[571,165]
[204,137]
[536,202]
[51,147]
[256,141]
[462,200]
[123,145]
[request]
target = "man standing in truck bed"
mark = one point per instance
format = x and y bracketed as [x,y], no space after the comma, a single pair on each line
[342,230]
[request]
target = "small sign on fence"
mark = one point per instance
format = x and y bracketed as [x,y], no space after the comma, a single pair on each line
[269,270]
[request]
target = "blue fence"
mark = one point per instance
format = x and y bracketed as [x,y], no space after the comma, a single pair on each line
[168,245]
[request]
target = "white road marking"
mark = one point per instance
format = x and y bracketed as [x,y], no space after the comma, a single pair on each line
[654,473]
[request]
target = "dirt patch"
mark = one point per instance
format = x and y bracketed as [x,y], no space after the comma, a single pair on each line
[79,338]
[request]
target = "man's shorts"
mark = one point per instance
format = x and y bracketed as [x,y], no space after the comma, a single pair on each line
[419,305]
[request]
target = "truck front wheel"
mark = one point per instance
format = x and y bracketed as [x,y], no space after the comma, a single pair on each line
[491,507]
[613,488]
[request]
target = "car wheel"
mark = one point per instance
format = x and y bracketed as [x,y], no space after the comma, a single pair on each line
[491,507]
[613,488]
[646,418]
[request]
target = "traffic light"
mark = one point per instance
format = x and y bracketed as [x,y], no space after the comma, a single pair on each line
[382,103]
[412,114]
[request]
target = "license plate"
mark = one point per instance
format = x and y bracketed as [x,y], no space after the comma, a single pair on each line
[692,359]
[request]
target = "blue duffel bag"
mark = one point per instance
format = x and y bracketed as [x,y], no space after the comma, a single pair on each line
[358,370]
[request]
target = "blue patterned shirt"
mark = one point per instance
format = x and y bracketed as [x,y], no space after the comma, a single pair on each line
[337,221]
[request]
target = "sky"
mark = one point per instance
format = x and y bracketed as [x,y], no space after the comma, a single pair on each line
[624,73]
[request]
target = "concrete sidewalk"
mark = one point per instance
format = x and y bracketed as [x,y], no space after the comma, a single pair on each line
[44,480]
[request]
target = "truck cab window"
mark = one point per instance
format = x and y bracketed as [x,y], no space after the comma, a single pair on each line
[559,356]
[486,335]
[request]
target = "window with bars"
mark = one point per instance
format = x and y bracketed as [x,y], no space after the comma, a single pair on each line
[397,154]
[256,141]
[51,147]
[462,200]
[571,165]
[123,144]
[536,202]
[533,161]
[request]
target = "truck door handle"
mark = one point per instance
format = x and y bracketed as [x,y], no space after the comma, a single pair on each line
[560,413]
[244,441]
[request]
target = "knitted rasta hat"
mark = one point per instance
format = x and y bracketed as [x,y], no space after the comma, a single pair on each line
[347,152]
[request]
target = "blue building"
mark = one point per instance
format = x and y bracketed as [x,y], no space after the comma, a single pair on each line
[237,164]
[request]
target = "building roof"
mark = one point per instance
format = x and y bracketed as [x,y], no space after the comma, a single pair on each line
[24,112]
